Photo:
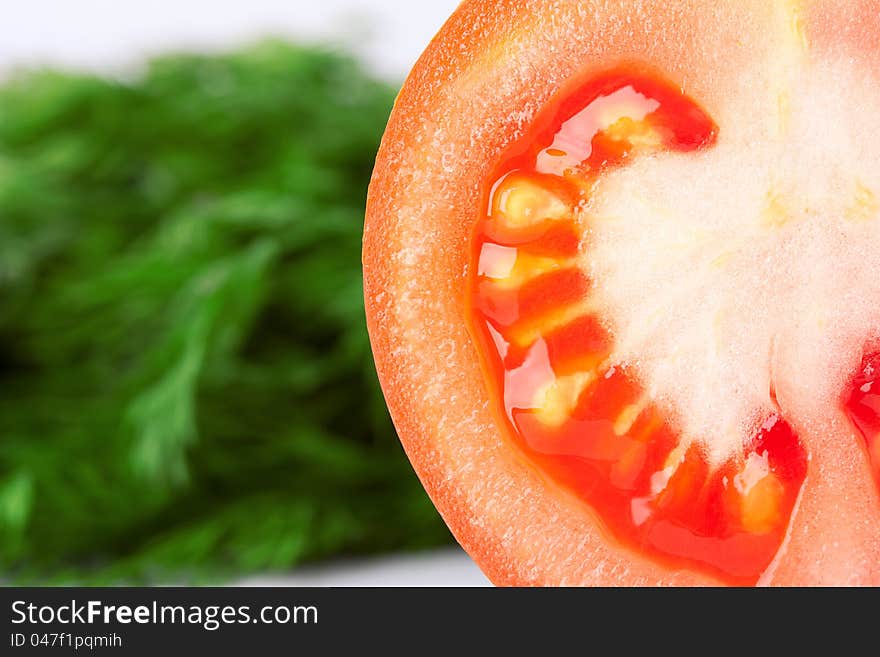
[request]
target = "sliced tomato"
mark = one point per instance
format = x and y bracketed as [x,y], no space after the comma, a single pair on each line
[600,378]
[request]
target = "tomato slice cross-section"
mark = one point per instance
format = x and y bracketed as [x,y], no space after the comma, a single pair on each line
[620,282]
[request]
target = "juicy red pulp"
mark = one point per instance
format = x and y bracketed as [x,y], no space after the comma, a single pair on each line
[602,437]
[863,407]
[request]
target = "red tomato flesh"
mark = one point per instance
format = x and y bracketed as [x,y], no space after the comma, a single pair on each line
[863,407]
[585,420]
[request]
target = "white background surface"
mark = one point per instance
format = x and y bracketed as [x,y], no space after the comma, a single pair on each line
[109,34]
[114,35]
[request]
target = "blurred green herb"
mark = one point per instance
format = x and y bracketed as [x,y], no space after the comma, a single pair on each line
[186,390]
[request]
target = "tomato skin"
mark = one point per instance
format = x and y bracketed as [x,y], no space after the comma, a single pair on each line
[481,81]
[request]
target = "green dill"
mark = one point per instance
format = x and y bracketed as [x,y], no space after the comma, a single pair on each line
[186,387]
